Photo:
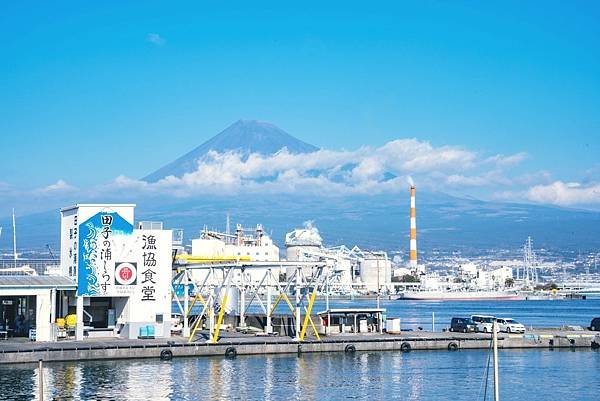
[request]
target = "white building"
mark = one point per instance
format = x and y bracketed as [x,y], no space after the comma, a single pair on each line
[123,274]
[490,279]
[214,245]
[28,305]
[113,279]
[217,246]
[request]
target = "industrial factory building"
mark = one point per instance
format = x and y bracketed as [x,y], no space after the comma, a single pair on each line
[243,245]
[367,271]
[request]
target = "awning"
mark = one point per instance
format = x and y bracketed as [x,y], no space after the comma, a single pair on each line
[24,281]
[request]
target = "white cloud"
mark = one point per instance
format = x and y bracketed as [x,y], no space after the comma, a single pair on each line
[327,172]
[489,178]
[507,161]
[365,171]
[412,155]
[565,194]
[369,168]
[535,178]
[155,39]
[323,171]
[58,186]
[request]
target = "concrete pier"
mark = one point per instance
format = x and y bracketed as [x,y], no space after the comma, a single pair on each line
[98,349]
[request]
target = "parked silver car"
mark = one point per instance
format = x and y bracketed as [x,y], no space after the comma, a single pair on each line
[510,325]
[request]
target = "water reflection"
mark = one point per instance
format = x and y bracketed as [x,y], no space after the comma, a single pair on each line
[379,375]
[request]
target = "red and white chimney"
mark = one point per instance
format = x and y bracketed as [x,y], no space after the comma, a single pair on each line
[413,229]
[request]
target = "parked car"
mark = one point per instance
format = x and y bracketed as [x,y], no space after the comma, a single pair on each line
[510,325]
[595,324]
[463,324]
[484,323]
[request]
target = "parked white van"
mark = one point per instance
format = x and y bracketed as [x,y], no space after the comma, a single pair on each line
[484,323]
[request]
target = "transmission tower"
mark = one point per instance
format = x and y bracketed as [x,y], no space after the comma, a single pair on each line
[529,264]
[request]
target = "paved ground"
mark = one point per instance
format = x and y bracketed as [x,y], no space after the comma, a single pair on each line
[19,351]
[22,345]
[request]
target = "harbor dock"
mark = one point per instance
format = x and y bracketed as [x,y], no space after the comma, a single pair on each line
[231,345]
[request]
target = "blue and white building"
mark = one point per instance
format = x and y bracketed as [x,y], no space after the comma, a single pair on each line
[122,273]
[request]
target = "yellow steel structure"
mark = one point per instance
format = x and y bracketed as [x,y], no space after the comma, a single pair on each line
[199,319]
[287,300]
[196,297]
[221,276]
[307,318]
[196,325]
[215,337]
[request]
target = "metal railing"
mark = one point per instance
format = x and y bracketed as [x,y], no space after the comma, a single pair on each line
[40,266]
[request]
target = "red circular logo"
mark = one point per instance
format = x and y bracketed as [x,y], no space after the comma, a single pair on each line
[126,273]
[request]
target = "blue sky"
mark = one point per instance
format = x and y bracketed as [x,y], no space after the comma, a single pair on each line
[127,87]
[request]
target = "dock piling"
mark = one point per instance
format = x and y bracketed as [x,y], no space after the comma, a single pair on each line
[41,379]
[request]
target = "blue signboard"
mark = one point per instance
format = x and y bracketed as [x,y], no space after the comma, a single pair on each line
[95,276]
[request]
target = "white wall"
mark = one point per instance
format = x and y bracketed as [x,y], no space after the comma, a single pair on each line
[143,312]
[42,309]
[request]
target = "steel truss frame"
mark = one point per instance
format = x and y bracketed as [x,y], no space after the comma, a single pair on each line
[224,278]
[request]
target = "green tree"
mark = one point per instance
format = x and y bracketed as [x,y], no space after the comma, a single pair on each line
[409,278]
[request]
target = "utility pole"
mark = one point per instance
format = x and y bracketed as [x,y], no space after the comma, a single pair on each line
[378,286]
[496,378]
[14,237]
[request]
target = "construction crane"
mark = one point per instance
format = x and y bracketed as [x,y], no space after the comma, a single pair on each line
[50,252]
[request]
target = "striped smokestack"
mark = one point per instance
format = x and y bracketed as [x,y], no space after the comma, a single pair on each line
[413,229]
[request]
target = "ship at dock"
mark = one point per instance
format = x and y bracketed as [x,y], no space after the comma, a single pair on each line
[440,295]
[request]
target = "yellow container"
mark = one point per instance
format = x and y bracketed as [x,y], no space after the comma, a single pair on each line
[71,320]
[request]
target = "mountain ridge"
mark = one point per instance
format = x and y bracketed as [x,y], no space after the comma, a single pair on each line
[369,221]
[244,136]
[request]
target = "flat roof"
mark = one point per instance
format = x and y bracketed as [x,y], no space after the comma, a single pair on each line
[248,264]
[352,310]
[37,282]
[78,205]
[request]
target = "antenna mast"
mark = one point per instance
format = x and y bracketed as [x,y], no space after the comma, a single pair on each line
[14,237]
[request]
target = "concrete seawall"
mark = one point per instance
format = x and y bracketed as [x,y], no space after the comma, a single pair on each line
[250,345]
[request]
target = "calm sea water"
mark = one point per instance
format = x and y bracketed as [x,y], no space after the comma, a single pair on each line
[551,313]
[420,375]
[424,375]
[414,314]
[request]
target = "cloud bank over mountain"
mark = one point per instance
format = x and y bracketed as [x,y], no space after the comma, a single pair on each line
[258,158]
[367,170]
[258,173]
